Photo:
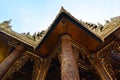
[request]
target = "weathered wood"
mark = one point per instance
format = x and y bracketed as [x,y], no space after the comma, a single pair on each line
[8,62]
[102,70]
[117,34]
[69,69]
[44,66]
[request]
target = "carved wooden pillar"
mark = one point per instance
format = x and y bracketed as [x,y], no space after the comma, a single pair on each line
[8,62]
[69,69]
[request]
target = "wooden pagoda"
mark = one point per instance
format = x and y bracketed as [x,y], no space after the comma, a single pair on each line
[69,49]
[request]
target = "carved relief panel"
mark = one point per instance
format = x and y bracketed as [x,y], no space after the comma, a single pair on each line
[110,58]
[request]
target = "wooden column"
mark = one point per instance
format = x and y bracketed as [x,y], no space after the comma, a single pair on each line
[69,69]
[8,62]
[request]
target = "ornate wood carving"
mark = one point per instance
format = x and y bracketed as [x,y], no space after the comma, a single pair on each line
[37,63]
[44,66]
[81,57]
[86,67]
[110,58]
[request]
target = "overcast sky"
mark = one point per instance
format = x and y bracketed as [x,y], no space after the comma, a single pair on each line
[36,15]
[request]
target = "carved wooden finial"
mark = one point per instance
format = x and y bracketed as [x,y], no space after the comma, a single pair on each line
[6,24]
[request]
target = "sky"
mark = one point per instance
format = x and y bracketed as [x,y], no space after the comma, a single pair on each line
[37,15]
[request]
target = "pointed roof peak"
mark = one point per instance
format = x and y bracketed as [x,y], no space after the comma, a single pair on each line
[62,9]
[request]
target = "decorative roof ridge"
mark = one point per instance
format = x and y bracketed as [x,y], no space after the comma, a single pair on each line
[96,28]
[104,30]
[110,26]
[31,40]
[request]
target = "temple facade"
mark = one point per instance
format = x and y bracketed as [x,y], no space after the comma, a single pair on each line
[69,49]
